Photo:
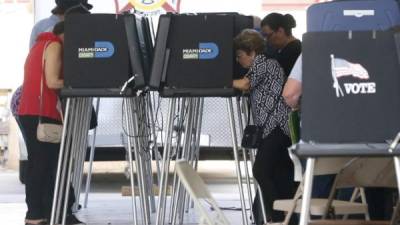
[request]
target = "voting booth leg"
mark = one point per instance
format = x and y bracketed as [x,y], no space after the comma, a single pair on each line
[92,149]
[245,160]
[195,152]
[186,102]
[193,149]
[154,153]
[132,136]
[177,197]
[130,162]
[80,133]
[178,152]
[308,180]
[252,155]
[82,143]
[154,136]
[237,159]
[144,138]
[66,155]
[60,160]
[166,161]
[180,191]
[139,158]
[184,122]
[72,150]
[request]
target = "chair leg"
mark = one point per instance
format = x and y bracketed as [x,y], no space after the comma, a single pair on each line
[297,196]
[364,200]
[354,196]
[308,179]
[396,215]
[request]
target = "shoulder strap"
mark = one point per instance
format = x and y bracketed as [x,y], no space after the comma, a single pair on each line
[41,87]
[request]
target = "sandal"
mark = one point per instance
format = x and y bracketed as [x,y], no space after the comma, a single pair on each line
[44,222]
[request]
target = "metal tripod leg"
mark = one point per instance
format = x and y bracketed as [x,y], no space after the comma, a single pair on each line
[308,180]
[179,196]
[178,154]
[192,150]
[130,159]
[252,160]
[196,143]
[245,160]
[134,106]
[153,151]
[54,212]
[237,160]
[81,151]
[165,167]
[154,136]
[65,154]
[92,149]
[78,136]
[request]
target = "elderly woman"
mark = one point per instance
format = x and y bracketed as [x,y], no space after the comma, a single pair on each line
[273,168]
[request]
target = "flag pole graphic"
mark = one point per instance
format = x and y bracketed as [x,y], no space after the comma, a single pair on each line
[336,85]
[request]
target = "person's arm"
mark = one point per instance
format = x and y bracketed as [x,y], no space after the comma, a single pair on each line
[293,87]
[53,66]
[242,84]
[292,92]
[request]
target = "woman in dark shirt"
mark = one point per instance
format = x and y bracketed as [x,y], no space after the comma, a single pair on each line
[273,168]
[277,29]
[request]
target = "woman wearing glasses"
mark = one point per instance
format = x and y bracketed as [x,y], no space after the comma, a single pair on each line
[277,29]
[273,168]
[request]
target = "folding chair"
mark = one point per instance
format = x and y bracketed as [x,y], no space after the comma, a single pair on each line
[198,191]
[364,172]
[320,207]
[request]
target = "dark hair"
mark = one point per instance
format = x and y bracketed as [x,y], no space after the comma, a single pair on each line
[249,40]
[62,6]
[58,28]
[276,20]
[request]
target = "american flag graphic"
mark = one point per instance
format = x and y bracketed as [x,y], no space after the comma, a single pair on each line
[343,68]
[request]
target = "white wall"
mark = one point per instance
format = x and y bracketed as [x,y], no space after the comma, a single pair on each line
[16,20]
[42,9]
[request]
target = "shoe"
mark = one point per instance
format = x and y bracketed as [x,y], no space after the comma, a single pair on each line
[41,223]
[72,220]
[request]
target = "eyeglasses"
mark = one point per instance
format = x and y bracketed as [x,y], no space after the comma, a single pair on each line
[268,35]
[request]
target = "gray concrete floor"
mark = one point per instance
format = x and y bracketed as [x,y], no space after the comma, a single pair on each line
[107,205]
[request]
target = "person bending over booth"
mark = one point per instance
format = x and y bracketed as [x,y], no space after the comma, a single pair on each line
[273,168]
[42,80]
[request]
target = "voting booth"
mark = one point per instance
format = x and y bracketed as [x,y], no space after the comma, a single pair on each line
[105,55]
[350,104]
[350,87]
[194,54]
[104,51]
